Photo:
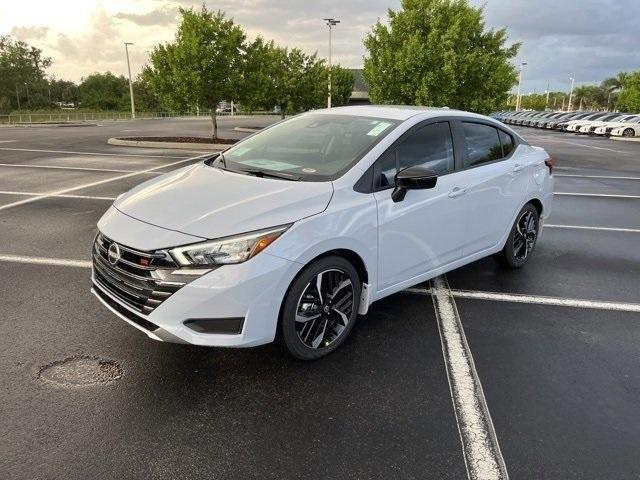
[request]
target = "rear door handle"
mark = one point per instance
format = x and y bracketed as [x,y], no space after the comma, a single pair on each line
[457,192]
[517,167]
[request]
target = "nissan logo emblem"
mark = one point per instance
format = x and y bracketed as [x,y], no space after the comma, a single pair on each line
[113,254]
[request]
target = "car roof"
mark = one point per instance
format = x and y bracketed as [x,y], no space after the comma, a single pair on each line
[395,112]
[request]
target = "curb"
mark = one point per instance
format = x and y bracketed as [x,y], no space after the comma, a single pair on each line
[626,139]
[48,125]
[170,145]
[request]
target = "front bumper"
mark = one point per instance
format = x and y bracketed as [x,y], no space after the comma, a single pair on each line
[251,291]
[246,295]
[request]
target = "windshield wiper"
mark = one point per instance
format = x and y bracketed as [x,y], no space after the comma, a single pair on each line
[263,174]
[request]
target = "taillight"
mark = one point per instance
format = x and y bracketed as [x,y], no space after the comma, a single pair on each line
[550,162]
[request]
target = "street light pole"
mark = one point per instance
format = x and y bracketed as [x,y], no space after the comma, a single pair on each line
[546,104]
[569,107]
[331,22]
[519,85]
[133,107]
[17,97]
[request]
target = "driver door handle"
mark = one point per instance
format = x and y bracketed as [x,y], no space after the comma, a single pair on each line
[517,167]
[457,192]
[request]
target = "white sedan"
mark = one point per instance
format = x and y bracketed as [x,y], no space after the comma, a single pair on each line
[296,230]
[577,125]
[606,128]
[627,130]
[590,127]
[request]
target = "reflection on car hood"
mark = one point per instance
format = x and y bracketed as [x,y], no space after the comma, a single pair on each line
[211,203]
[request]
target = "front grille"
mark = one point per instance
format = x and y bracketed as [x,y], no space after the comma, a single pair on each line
[137,319]
[137,279]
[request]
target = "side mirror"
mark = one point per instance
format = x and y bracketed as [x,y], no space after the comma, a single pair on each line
[413,178]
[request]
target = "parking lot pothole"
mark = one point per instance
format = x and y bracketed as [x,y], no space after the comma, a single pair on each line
[80,371]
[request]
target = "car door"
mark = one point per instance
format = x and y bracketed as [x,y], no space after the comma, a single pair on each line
[425,229]
[495,180]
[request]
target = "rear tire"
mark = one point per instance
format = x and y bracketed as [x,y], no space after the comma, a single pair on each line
[320,308]
[521,240]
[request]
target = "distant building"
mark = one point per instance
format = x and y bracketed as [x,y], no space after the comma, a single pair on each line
[360,94]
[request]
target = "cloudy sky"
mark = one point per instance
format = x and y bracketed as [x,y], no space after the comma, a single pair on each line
[587,39]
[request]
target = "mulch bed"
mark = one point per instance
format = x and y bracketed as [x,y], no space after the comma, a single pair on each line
[228,141]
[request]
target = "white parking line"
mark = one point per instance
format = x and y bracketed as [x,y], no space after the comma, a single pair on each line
[7,141]
[37,194]
[606,195]
[481,451]
[99,182]
[62,262]
[604,229]
[589,146]
[536,299]
[90,153]
[605,177]
[58,167]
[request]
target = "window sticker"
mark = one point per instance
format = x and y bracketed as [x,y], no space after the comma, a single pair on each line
[378,129]
[269,164]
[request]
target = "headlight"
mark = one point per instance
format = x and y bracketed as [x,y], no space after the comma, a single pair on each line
[236,249]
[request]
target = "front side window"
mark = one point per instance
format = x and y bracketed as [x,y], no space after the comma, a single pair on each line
[483,144]
[430,147]
[311,147]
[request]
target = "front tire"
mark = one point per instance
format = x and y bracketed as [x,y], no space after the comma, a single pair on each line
[320,308]
[521,240]
[628,132]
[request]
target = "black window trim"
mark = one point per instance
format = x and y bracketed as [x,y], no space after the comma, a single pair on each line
[430,121]
[367,182]
[462,139]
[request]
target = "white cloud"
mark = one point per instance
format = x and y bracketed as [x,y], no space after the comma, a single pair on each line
[591,39]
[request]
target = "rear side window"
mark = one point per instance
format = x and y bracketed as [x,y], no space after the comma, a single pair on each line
[483,144]
[507,143]
[430,146]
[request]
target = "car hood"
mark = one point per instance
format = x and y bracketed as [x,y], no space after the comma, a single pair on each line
[211,203]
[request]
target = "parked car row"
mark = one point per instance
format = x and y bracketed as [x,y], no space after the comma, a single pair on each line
[614,124]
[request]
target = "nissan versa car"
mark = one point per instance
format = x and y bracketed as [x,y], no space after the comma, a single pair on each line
[296,230]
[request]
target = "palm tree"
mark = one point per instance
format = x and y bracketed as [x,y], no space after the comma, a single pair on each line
[613,85]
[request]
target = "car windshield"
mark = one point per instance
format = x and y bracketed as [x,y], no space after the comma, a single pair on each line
[311,147]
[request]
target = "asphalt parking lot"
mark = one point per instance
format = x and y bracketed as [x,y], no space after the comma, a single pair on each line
[552,348]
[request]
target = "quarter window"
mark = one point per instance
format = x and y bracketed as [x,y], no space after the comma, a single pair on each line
[430,146]
[483,144]
[507,143]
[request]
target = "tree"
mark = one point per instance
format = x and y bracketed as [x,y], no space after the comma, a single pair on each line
[145,98]
[299,81]
[629,98]
[104,91]
[591,97]
[261,61]
[288,79]
[22,69]
[203,66]
[614,83]
[341,85]
[437,52]
[63,91]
